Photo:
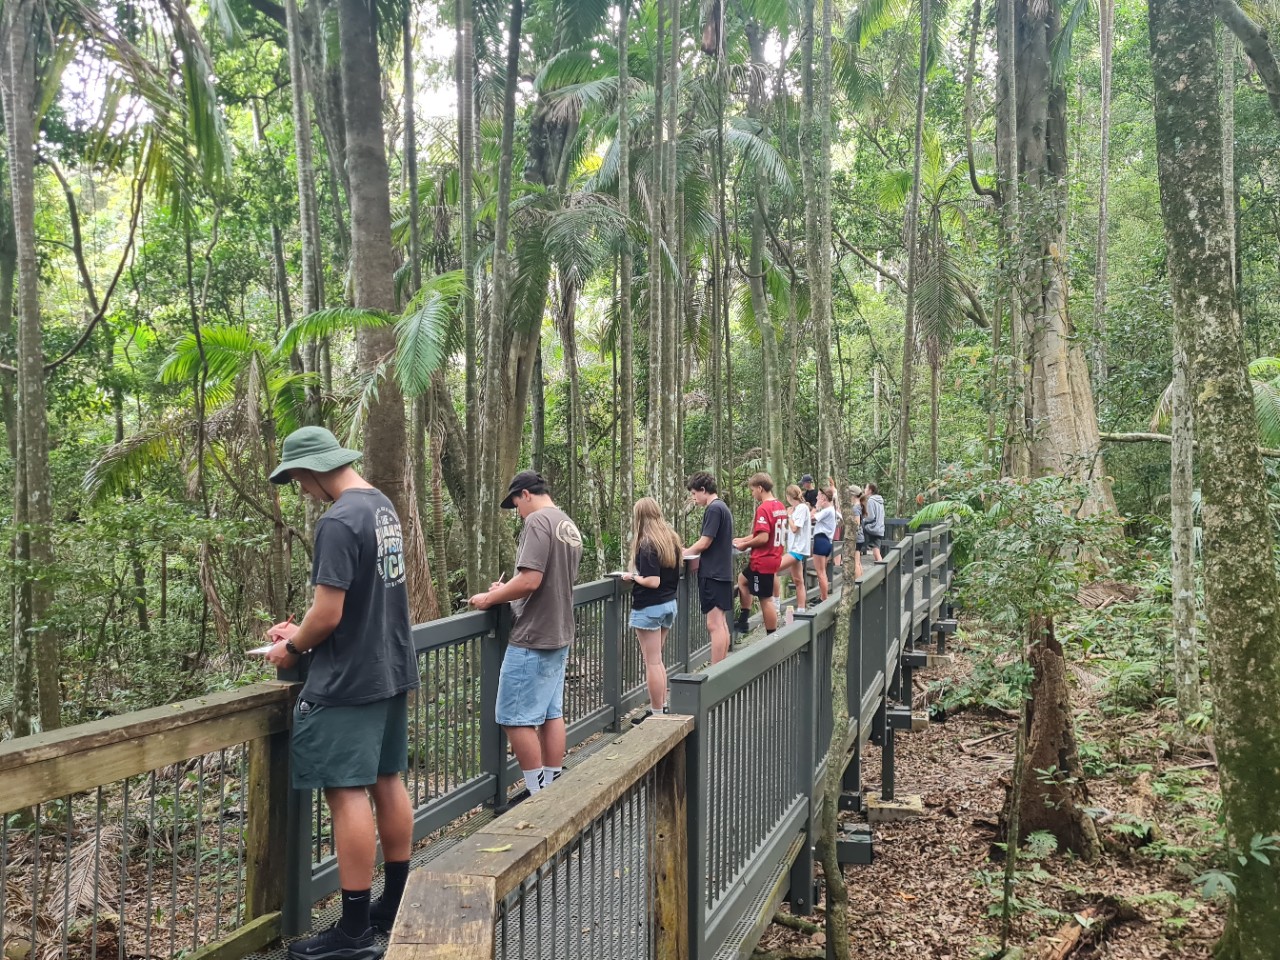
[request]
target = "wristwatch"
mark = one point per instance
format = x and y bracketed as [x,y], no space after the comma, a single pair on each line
[288,645]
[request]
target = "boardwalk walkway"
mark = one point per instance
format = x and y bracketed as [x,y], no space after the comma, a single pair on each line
[173,831]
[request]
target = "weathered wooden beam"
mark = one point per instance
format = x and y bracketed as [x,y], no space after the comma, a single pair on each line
[45,766]
[449,910]
[266,835]
[254,935]
[670,864]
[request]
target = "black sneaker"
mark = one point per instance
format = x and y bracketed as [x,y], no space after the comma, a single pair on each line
[743,623]
[641,718]
[381,916]
[335,944]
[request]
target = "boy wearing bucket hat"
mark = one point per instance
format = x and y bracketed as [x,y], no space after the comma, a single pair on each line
[350,725]
[531,683]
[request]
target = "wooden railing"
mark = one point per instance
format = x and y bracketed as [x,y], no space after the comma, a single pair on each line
[153,833]
[615,834]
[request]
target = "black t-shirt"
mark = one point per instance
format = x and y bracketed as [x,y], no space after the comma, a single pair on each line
[717,559]
[369,656]
[647,566]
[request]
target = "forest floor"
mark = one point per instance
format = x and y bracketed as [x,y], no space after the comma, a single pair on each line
[934,888]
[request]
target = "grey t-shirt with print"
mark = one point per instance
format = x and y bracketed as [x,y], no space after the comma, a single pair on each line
[369,656]
[551,543]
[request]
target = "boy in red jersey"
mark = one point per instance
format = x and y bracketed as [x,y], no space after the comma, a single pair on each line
[766,541]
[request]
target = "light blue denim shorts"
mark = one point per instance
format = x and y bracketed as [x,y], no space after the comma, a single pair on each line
[531,686]
[659,617]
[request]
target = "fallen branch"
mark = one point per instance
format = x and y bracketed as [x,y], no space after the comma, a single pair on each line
[1270,452]
[969,744]
[1088,926]
[796,923]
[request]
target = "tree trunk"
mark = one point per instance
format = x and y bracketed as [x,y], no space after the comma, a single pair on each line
[466,229]
[1229,149]
[1052,792]
[1064,439]
[626,330]
[36,647]
[386,461]
[8,268]
[771,412]
[815,157]
[657,278]
[673,286]
[837,902]
[1186,660]
[1107,18]
[1015,460]
[913,269]
[1240,582]
[495,399]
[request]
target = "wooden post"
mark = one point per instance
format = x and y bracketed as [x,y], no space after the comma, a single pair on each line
[670,859]
[266,803]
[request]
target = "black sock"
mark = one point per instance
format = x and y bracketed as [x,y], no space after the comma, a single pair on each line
[396,875]
[355,912]
[770,632]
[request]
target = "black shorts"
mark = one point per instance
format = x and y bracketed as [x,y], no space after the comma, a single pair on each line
[759,584]
[715,595]
[872,541]
[822,545]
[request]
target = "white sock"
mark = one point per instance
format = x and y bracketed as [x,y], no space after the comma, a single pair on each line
[532,780]
[549,775]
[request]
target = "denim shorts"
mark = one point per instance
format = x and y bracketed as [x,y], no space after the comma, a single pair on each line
[658,617]
[531,686]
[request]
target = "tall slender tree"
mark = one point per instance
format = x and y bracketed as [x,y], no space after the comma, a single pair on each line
[912,233]
[1241,587]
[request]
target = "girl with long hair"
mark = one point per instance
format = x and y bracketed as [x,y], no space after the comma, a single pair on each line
[656,552]
[799,545]
[824,531]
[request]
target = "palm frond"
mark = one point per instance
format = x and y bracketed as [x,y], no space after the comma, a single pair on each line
[942,510]
[228,351]
[123,465]
[759,156]
[1060,51]
[422,334]
[327,323]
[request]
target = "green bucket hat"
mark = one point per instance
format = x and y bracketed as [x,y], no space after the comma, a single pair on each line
[311,448]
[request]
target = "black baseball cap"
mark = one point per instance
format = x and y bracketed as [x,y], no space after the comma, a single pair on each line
[807,478]
[524,480]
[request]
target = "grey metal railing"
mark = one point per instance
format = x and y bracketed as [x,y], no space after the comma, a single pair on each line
[196,825]
[589,868]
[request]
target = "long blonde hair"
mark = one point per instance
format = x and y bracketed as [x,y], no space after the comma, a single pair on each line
[651,528]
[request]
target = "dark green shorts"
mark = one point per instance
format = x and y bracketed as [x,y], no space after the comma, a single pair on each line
[348,746]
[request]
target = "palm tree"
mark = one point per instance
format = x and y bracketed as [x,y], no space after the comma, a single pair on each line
[179,145]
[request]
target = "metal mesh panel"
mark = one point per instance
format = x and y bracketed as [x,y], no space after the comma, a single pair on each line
[752,741]
[148,866]
[594,898]
[584,673]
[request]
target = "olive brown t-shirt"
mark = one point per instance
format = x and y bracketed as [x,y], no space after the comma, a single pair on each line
[369,656]
[550,543]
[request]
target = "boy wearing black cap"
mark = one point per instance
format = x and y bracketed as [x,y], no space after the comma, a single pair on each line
[531,684]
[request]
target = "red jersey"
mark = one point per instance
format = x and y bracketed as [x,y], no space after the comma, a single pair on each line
[771,518]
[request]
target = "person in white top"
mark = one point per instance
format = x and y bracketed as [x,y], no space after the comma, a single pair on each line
[824,532]
[799,537]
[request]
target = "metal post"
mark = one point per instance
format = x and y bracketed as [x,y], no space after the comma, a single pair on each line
[682,629]
[887,758]
[613,655]
[686,698]
[806,763]
[926,589]
[851,781]
[295,915]
[493,741]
